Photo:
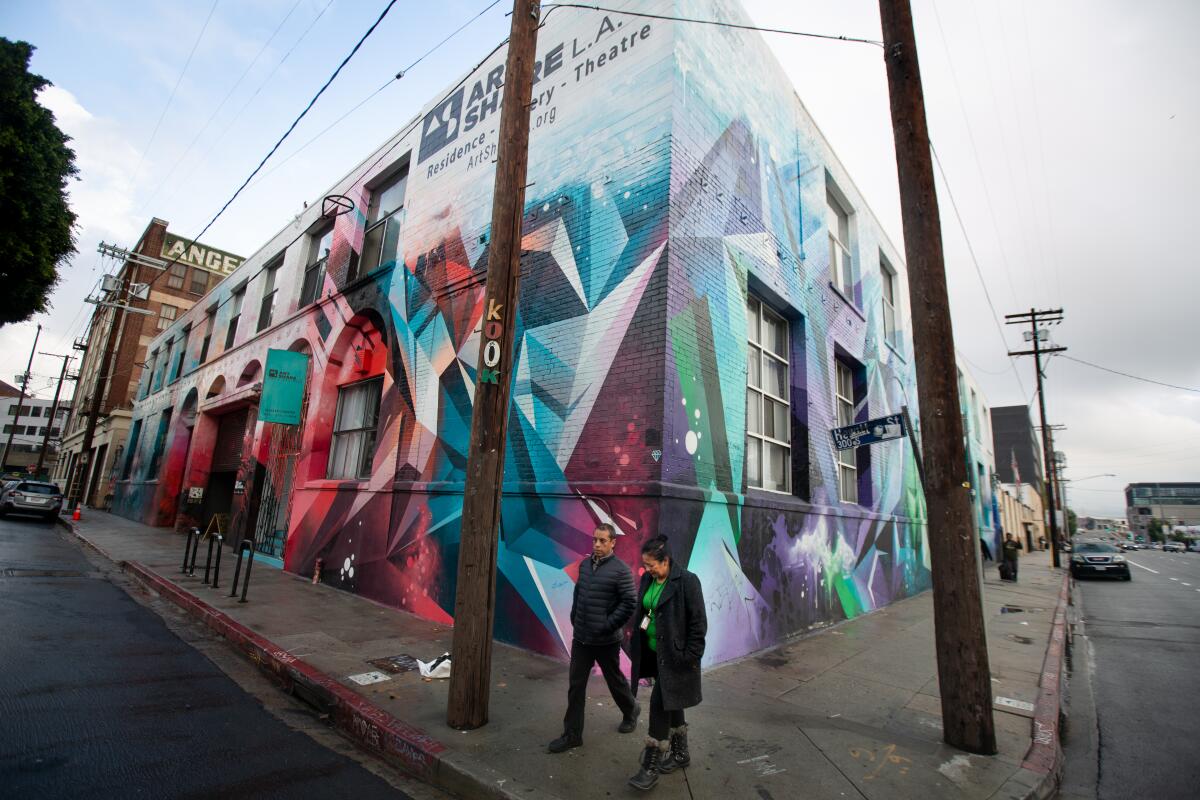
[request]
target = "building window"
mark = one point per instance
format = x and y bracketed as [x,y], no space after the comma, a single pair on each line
[133,446]
[8,428]
[210,320]
[354,430]
[12,411]
[266,311]
[54,433]
[199,281]
[176,275]
[841,264]
[166,315]
[888,278]
[382,240]
[35,411]
[847,460]
[159,374]
[181,355]
[160,444]
[975,415]
[236,314]
[314,272]
[768,407]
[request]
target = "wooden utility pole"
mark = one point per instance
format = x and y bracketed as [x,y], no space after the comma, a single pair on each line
[475,599]
[962,656]
[53,409]
[1033,317]
[21,399]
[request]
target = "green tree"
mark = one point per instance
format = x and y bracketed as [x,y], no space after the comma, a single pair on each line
[36,224]
[1072,522]
[1155,529]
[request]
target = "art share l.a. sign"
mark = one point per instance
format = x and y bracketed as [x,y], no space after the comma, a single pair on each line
[869,432]
[283,387]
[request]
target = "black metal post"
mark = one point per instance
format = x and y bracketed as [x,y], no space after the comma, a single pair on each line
[187,546]
[249,563]
[237,569]
[208,559]
[217,567]
[195,549]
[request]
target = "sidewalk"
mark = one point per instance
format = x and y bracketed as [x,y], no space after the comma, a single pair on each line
[851,711]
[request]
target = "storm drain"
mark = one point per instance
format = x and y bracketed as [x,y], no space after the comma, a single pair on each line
[47,573]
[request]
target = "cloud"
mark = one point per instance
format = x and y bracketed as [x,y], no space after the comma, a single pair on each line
[102,197]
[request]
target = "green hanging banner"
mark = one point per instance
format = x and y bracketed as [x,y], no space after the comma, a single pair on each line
[283,387]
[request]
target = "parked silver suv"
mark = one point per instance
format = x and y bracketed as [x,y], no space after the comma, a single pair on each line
[31,497]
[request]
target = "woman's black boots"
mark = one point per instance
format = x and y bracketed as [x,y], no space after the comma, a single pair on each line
[652,757]
[679,755]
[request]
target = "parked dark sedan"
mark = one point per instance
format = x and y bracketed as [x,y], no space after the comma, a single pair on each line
[1097,558]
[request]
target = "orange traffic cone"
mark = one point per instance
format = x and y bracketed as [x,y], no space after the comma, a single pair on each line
[77,515]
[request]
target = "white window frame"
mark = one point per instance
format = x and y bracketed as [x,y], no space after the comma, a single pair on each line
[847,460]
[176,276]
[165,320]
[759,400]
[888,279]
[383,225]
[351,434]
[841,260]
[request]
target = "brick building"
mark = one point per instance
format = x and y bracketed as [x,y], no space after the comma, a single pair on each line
[191,270]
[705,294]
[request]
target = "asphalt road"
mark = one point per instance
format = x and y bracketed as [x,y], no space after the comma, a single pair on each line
[100,697]
[1144,648]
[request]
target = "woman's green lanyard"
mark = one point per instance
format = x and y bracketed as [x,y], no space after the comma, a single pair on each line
[650,603]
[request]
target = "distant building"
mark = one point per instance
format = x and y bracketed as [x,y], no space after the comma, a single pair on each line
[1017,446]
[29,430]
[1173,504]
[193,270]
[981,461]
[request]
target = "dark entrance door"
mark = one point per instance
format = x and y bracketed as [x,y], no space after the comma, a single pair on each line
[226,460]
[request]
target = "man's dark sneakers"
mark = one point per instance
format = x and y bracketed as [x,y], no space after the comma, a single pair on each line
[565,742]
[630,721]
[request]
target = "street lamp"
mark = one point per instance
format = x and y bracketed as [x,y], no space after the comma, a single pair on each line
[1089,477]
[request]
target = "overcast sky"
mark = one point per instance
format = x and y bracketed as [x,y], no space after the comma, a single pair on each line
[1066,131]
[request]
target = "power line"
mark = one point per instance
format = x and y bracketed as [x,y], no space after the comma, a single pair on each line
[220,105]
[718,23]
[171,98]
[285,135]
[975,261]
[373,94]
[1134,377]
[238,114]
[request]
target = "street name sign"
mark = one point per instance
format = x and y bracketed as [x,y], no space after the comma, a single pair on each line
[869,432]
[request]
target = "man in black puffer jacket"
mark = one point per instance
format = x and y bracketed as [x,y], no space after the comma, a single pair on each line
[604,601]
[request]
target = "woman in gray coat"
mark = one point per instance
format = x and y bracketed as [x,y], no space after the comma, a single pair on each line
[668,643]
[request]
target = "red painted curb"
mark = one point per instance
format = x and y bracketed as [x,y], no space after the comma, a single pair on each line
[1045,754]
[400,743]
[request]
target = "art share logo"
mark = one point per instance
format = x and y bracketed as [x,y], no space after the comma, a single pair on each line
[441,125]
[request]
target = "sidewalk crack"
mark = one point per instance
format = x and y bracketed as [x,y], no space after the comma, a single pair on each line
[831,762]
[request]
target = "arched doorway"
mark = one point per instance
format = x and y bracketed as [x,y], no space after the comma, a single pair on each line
[282,447]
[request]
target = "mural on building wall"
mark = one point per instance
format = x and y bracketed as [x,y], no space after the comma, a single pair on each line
[663,192]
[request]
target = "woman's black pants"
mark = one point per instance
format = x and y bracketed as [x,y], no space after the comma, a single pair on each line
[661,720]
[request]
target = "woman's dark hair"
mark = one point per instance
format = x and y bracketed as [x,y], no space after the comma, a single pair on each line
[657,548]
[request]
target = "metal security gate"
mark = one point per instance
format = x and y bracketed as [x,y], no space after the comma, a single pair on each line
[283,451]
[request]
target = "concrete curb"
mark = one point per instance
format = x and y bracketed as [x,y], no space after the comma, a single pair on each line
[1041,770]
[371,728]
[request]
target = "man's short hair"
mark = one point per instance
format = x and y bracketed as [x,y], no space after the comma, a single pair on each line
[608,528]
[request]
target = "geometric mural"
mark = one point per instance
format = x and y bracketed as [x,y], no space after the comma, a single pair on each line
[665,188]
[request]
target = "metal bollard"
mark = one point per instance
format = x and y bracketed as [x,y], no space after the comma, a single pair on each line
[237,568]
[195,548]
[208,559]
[217,566]
[249,564]
[187,546]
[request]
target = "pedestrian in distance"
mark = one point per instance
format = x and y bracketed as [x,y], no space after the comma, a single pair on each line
[603,603]
[668,642]
[1011,553]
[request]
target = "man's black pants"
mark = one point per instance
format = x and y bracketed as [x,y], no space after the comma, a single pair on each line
[583,656]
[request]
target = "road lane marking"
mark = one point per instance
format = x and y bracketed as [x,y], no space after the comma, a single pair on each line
[1187,584]
[1145,568]
[1174,579]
